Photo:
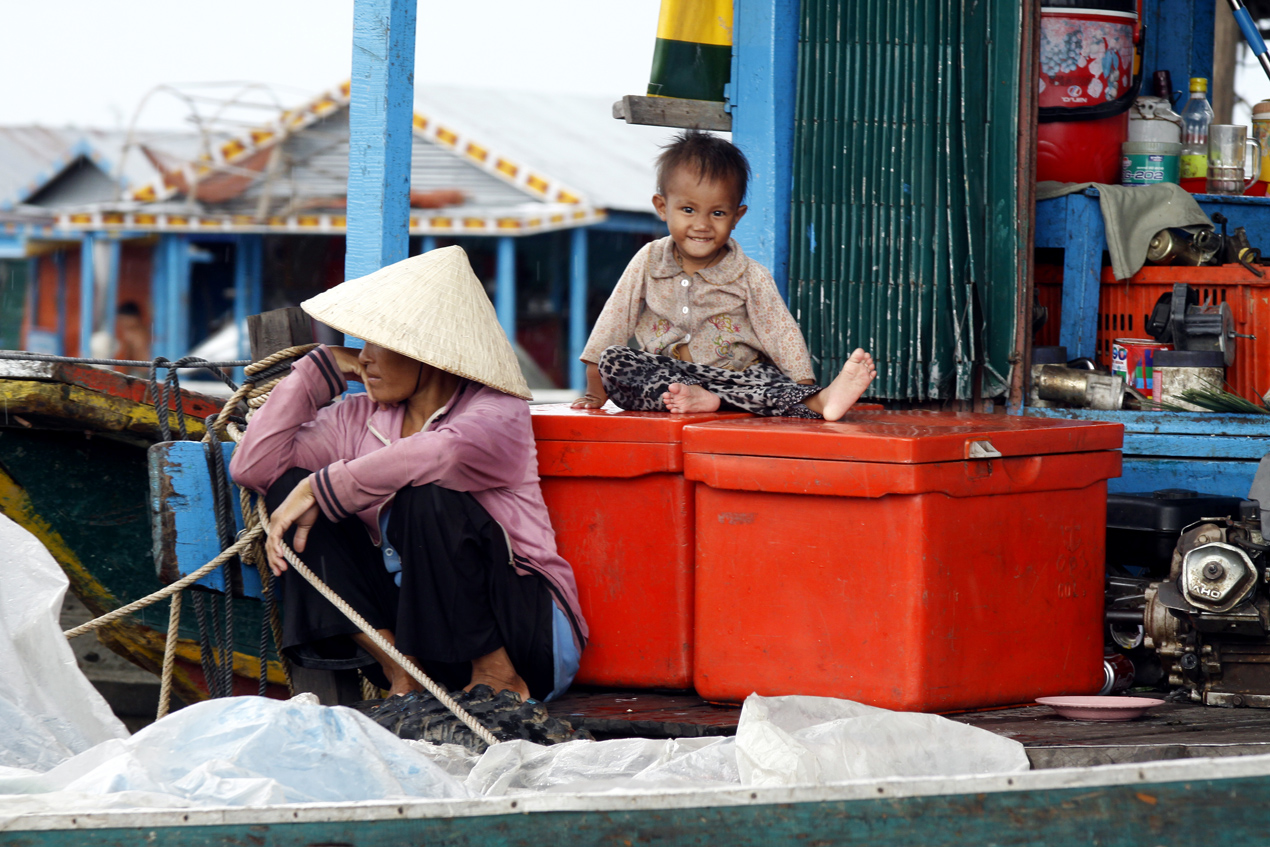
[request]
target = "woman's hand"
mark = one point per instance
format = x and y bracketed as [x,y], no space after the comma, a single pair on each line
[301,509]
[595,396]
[349,364]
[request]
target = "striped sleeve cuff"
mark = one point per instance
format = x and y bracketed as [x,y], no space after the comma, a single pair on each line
[326,367]
[324,493]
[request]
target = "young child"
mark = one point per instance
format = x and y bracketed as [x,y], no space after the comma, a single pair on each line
[711,326]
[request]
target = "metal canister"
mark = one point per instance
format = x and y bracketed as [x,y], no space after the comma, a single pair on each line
[1042,356]
[1132,359]
[1118,674]
[1176,371]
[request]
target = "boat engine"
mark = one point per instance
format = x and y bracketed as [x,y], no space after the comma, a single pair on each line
[1209,622]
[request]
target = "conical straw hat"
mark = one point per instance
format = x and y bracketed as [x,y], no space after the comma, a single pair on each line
[431,308]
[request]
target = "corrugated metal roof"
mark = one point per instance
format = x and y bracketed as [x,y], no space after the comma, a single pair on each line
[572,137]
[32,158]
[314,166]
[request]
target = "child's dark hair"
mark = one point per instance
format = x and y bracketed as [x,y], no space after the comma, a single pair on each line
[711,157]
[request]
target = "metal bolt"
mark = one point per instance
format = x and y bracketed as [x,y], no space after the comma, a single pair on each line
[1189,661]
[1213,571]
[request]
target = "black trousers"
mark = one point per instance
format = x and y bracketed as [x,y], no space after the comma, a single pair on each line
[459,599]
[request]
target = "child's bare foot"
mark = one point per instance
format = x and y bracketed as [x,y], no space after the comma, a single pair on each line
[841,394]
[682,399]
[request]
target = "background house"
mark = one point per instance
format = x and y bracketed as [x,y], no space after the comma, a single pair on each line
[547,193]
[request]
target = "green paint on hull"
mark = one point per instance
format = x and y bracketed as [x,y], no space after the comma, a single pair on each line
[93,493]
[1114,816]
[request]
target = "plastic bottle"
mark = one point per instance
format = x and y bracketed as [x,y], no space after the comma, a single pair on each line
[1196,117]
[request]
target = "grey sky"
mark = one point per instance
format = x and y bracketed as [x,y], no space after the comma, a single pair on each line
[90,63]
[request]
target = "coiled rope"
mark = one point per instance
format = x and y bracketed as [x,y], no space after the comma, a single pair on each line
[261,377]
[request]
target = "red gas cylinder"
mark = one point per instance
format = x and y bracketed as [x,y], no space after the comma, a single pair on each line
[1086,82]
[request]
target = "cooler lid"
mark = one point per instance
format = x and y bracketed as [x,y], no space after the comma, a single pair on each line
[911,437]
[559,422]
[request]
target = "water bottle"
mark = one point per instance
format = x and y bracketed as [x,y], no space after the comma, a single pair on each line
[1196,117]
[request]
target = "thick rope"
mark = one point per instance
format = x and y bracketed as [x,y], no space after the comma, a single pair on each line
[181,584]
[169,657]
[381,642]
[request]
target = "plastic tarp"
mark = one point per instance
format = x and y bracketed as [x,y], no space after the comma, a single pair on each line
[241,751]
[781,741]
[61,749]
[48,710]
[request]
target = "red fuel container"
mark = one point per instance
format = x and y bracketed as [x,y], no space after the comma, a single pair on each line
[622,512]
[910,560]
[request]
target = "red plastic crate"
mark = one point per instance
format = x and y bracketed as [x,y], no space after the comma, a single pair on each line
[623,514]
[1125,305]
[871,560]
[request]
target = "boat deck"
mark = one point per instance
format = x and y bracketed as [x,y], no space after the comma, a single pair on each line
[1170,731]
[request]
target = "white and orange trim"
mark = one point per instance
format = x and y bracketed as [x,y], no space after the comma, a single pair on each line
[532,181]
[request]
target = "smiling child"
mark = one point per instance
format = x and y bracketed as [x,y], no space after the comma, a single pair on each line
[712,329]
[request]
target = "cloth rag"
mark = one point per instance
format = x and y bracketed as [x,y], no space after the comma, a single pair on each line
[1132,215]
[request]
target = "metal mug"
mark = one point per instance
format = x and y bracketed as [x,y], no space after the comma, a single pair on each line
[1227,150]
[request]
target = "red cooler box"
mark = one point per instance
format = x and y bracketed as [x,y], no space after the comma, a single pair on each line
[911,560]
[622,511]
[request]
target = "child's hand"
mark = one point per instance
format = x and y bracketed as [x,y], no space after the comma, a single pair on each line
[595,396]
[589,401]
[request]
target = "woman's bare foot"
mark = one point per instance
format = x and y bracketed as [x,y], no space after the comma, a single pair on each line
[496,670]
[402,682]
[399,681]
[833,401]
[682,399]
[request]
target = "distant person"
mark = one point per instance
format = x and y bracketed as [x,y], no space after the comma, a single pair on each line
[132,336]
[712,329]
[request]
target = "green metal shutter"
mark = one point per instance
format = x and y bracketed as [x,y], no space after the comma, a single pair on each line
[905,222]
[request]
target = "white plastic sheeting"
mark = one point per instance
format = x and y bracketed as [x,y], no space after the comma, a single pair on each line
[781,741]
[245,751]
[48,710]
[62,750]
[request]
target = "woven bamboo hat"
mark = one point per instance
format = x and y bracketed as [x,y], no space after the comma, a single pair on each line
[431,308]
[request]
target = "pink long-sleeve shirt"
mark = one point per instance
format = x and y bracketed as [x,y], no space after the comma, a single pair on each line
[481,442]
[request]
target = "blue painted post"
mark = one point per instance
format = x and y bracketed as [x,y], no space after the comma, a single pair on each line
[59,260]
[1074,224]
[177,295]
[1180,39]
[87,292]
[429,243]
[33,295]
[1082,276]
[158,298]
[112,293]
[578,281]
[380,134]
[248,254]
[763,93]
[505,286]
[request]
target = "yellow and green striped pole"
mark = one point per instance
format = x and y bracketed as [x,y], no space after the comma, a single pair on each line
[693,56]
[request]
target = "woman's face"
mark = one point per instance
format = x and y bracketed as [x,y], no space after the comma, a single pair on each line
[389,376]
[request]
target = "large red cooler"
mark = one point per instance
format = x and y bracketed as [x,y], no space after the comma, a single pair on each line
[623,516]
[910,560]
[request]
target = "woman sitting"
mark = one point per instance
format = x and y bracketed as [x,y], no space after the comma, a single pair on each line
[417,502]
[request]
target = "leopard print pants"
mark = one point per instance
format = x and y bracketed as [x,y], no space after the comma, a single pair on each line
[636,380]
